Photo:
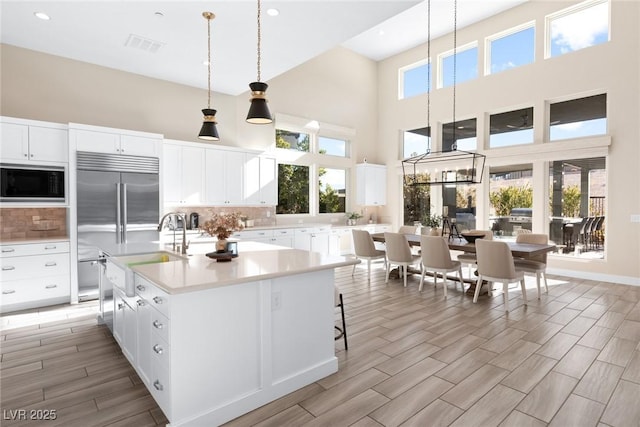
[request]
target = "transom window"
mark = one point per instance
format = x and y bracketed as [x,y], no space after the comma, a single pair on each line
[578,27]
[414,79]
[466,59]
[416,141]
[332,146]
[510,49]
[511,128]
[578,118]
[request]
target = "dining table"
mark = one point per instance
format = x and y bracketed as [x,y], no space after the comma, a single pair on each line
[518,250]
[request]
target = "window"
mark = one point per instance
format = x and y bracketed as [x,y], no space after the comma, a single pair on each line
[416,141]
[464,138]
[332,184]
[577,204]
[510,49]
[332,146]
[293,189]
[292,140]
[578,27]
[466,65]
[510,187]
[511,128]
[578,118]
[414,79]
[417,202]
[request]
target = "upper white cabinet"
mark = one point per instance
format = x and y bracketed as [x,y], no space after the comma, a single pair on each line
[260,180]
[224,177]
[183,174]
[371,184]
[114,142]
[24,142]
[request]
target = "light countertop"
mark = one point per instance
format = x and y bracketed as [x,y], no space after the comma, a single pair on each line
[256,261]
[28,240]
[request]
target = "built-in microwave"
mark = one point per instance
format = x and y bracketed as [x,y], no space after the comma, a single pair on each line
[32,184]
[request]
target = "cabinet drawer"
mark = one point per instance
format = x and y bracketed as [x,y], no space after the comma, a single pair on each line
[15,268]
[253,234]
[161,387]
[160,325]
[33,249]
[160,350]
[282,232]
[116,275]
[160,301]
[27,290]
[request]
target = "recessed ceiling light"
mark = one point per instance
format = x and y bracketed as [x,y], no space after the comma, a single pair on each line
[273,12]
[42,16]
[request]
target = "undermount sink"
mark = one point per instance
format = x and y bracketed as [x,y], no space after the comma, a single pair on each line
[150,258]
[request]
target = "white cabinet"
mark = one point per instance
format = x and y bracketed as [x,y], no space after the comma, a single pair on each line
[224,174]
[315,239]
[183,174]
[278,236]
[112,141]
[34,275]
[125,319]
[260,180]
[26,143]
[371,184]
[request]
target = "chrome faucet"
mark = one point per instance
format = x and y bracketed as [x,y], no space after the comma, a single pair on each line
[185,245]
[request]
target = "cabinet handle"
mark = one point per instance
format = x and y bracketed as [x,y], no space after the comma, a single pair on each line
[140,303]
[157,385]
[51,286]
[50,264]
[10,291]
[5,250]
[157,300]
[120,306]
[31,155]
[158,325]
[140,288]
[8,267]
[158,349]
[25,154]
[50,247]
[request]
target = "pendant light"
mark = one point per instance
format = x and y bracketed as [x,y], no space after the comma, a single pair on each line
[455,166]
[209,131]
[258,110]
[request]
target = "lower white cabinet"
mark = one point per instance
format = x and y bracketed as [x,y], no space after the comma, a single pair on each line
[277,236]
[314,239]
[34,275]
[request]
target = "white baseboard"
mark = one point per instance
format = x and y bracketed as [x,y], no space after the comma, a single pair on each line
[623,280]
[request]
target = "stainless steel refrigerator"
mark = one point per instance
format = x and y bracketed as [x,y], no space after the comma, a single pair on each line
[118,199]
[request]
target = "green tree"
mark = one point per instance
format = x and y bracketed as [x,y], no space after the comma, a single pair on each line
[293,180]
[417,201]
[571,201]
[507,198]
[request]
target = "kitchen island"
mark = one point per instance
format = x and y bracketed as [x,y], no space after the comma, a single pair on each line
[214,340]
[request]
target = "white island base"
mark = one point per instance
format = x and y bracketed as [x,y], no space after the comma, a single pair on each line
[210,355]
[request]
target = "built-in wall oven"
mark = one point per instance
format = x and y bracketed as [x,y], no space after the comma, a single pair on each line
[32,183]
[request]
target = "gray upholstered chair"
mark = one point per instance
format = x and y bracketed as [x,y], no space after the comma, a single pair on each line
[407,229]
[399,253]
[437,258]
[535,265]
[495,264]
[469,259]
[365,249]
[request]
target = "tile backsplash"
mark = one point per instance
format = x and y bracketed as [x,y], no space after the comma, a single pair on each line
[26,223]
[261,216]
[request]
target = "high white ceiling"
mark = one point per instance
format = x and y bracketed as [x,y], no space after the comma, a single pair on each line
[97,32]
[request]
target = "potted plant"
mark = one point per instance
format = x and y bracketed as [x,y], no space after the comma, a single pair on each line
[352,217]
[222,225]
[433,223]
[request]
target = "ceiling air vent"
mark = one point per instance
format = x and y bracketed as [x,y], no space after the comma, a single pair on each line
[142,43]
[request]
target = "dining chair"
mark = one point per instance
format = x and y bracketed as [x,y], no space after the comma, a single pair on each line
[365,249]
[495,264]
[399,253]
[537,264]
[437,258]
[407,229]
[469,259]
[339,302]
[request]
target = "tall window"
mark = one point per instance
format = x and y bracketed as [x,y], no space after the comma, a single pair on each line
[332,184]
[510,49]
[578,118]
[510,187]
[578,27]
[293,189]
[577,204]
[511,128]
[414,79]
[416,141]
[463,135]
[417,203]
[466,65]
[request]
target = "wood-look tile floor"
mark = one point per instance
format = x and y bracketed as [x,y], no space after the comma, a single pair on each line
[414,359]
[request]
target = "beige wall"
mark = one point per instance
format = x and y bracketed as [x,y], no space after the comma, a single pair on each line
[611,67]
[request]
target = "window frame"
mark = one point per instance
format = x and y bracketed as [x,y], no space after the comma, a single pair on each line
[504,34]
[458,50]
[401,77]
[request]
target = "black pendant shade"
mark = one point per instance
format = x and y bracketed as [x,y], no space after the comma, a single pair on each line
[258,110]
[208,131]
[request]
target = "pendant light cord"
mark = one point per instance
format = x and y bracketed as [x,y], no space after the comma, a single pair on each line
[209,62]
[429,72]
[455,44]
[259,38]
